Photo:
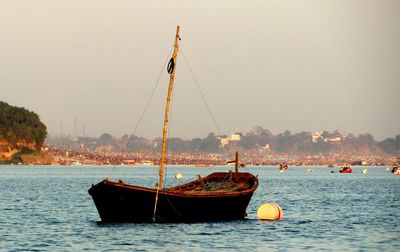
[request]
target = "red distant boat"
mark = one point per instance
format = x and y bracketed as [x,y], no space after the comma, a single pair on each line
[345,169]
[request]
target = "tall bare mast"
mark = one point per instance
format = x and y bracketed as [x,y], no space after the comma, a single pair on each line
[171,71]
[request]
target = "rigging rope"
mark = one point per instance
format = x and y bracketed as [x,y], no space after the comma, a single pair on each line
[201,93]
[112,170]
[170,68]
[148,103]
[151,96]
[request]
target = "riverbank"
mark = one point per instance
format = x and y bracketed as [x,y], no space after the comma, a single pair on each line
[104,157]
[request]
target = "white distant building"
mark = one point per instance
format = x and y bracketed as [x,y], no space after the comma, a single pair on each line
[316,136]
[224,140]
[267,147]
[334,139]
[235,137]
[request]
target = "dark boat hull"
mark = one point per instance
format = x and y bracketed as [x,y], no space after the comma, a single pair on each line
[119,202]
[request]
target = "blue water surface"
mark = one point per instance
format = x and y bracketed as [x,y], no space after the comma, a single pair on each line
[48,208]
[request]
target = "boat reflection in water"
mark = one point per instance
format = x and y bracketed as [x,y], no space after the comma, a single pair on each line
[218,197]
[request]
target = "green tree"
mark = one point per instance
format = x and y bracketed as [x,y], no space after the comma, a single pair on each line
[19,125]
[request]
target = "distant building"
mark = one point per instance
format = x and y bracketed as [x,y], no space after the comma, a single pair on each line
[316,136]
[224,140]
[235,137]
[267,147]
[333,139]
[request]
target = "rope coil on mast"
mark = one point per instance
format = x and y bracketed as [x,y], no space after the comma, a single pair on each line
[171,66]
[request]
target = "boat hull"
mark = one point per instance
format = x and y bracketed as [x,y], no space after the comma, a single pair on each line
[345,170]
[119,202]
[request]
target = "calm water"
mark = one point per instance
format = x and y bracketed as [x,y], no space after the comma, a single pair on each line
[48,208]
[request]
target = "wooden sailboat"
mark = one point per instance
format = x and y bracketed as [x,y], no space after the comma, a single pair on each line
[219,196]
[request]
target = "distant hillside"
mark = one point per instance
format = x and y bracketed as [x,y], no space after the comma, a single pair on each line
[258,139]
[19,129]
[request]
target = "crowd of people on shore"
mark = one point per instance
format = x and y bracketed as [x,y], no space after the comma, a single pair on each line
[109,157]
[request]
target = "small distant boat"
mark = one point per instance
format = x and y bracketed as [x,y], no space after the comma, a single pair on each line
[146,163]
[346,169]
[283,167]
[76,162]
[202,165]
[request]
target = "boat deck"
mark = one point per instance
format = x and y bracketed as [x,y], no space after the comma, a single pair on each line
[218,183]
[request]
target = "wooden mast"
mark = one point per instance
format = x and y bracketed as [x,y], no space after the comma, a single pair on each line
[236,162]
[172,67]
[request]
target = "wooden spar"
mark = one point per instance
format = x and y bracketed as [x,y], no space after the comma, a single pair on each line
[237,162]
[165,128]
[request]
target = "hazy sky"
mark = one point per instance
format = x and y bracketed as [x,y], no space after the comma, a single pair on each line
[297,65]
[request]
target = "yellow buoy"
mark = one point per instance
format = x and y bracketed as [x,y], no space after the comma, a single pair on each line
[269,211]
[364,171]
[178,175]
